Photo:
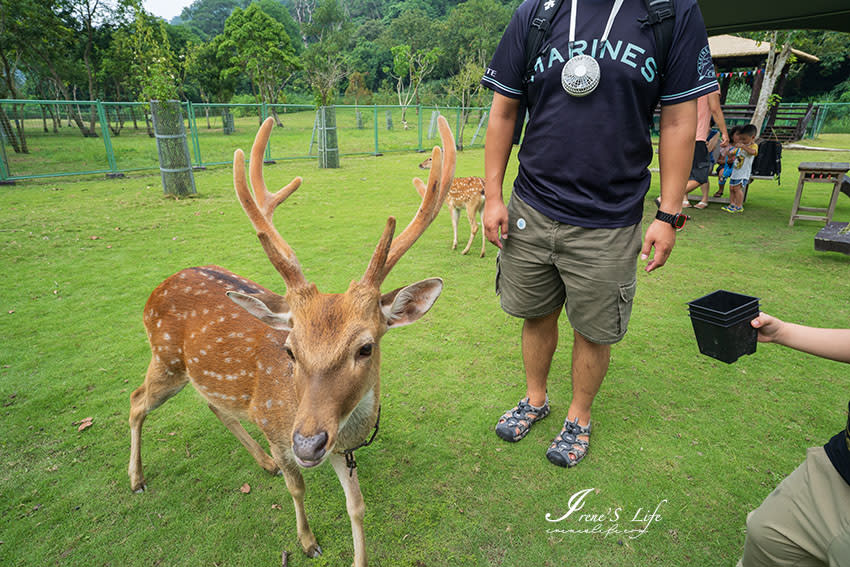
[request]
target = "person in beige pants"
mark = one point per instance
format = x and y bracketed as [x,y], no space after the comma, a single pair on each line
[806,520]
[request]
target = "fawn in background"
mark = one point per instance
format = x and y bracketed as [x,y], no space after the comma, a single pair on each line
[465,193]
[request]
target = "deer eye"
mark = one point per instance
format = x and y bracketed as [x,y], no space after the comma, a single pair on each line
[365,351]
[289,352]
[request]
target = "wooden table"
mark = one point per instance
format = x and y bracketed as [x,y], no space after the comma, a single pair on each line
[819,172]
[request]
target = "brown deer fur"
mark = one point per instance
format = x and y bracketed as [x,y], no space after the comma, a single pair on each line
[304,366]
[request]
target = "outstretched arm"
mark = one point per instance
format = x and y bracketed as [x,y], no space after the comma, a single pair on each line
[827,343]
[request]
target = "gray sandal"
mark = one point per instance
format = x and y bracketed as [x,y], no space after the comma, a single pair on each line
[516,423]
[567,450]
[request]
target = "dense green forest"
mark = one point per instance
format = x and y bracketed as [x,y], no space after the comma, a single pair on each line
[277,51]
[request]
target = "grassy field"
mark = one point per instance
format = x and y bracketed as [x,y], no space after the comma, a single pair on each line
[380,130]
[683,447]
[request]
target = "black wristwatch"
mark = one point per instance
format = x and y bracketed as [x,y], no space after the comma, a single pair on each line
[678,220]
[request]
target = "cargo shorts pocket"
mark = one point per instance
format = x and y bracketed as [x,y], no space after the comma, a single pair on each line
[624,304]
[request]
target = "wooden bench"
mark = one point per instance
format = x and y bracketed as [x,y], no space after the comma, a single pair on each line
[834,173]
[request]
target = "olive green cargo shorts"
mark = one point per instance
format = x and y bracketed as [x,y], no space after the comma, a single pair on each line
[545,265]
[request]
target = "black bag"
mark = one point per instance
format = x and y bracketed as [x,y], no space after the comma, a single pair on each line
[768,162]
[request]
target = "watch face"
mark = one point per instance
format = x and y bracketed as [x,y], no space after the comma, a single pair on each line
[679,221]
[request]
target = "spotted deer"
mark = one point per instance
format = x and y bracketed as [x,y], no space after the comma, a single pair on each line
[303,366]
[468,193]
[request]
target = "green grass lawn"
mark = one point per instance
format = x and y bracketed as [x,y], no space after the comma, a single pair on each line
[693,441]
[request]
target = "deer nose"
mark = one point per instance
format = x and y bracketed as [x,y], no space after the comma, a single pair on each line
[309,450]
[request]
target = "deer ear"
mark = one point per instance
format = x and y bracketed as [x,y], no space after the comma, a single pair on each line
[406,305]
[270,309]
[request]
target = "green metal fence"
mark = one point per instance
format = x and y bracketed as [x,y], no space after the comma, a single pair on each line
[55,138]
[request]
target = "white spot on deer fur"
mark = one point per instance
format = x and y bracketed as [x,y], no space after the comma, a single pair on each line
[231,377]
[174,361]
[179,350]
[183,276]
[205,311]
[159,323]
[264,421]
[228,360]
[166,336]
[259,365]
[249,349]
[196,360]
[203,352]
[221,319]
[158,359]
[269,404]
[234,315]
[204,329]
[187,289]
[194,313]
[192,336]
[232,335]
[269,370]
[219,340]
[243,373]
[250,339]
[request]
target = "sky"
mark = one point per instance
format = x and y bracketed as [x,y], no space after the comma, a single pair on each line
[166,9]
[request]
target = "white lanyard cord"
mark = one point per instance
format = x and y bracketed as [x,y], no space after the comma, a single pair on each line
[614,11]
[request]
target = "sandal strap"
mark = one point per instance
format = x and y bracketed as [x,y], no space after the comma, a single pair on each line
[521,413]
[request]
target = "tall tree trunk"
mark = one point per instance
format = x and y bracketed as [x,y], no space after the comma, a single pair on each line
[6,127]
[772,71]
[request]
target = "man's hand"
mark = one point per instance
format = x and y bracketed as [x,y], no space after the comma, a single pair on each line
[661,236]
[495,220]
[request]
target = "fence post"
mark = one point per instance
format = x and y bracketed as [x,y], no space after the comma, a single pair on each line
[4,171]
[375,121]
[419,126]
[477,130]
[193,128]
[458,133]
[107,141]
[268,156]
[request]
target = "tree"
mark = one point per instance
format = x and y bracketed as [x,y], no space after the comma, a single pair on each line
[86,15]
[471,31]
[324,59]
[409,70]
[154,64]
[772,71]
[464,86]
[11,33]
[258,45]
[208,16]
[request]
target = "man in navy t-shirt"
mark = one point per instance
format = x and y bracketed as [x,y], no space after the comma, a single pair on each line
[570,236]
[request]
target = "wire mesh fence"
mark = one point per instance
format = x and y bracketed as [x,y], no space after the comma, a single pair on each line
[53,138]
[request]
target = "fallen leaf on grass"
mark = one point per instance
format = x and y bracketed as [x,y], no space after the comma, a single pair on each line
[276,507]
[85,423]
[94,237]
[246,488]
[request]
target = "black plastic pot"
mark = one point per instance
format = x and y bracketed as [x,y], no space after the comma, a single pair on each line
[721,322]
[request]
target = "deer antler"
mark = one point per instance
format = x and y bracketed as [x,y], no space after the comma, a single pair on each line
[260,207]
[433,194]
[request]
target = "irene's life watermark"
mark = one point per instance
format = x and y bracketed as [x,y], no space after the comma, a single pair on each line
[614,521]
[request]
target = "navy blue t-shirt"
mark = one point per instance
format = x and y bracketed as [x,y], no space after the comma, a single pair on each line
[584,160]
[838,450]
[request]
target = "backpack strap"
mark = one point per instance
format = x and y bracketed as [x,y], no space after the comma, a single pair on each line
[534,42]
[661,15]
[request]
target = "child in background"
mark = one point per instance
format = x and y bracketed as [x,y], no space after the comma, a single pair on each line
[724,156]
[744,150]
